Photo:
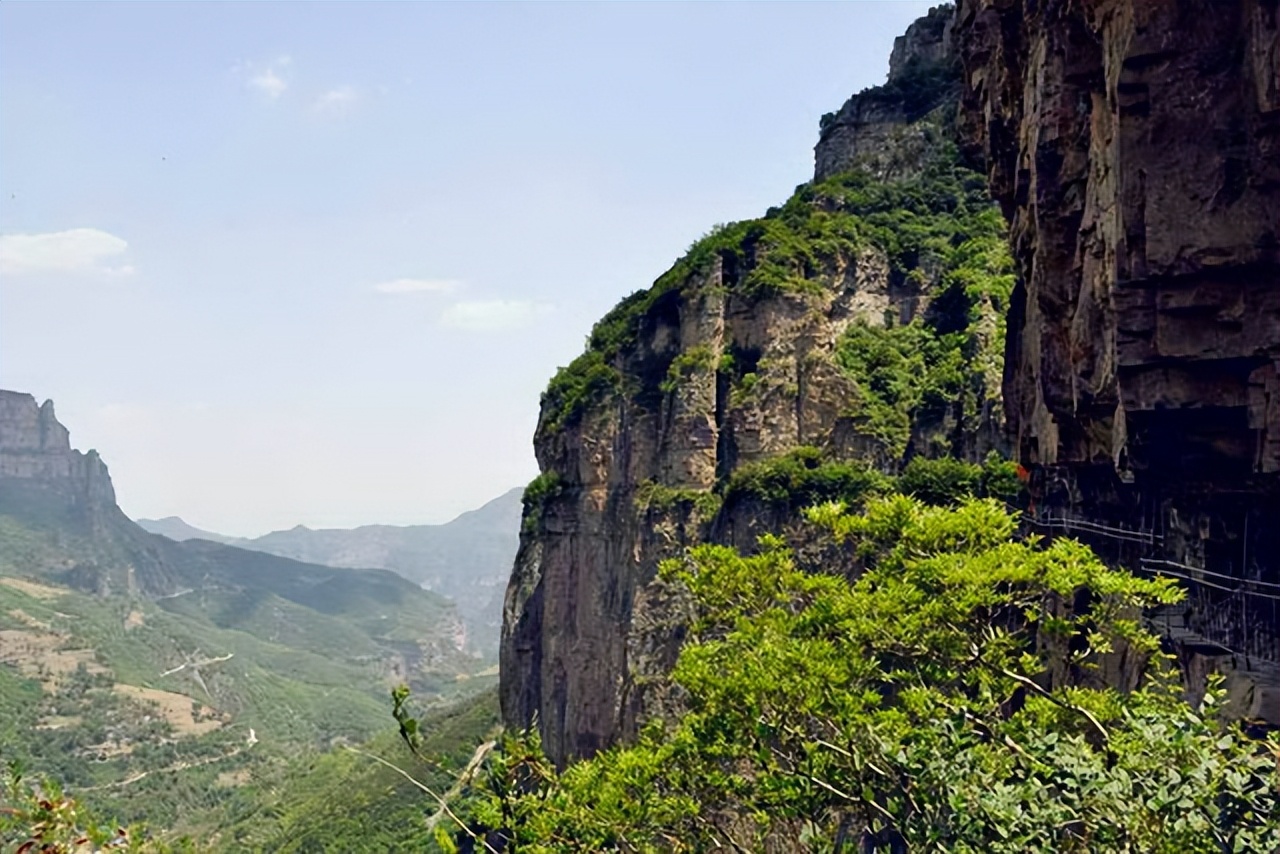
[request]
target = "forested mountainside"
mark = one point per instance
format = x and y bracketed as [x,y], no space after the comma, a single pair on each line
[157,677]
[870,337]
[783,361]
[466,560]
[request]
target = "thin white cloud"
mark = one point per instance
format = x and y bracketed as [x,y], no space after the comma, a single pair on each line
[268,78]
[78,250]
[490,315]
[269,83]
[413,286]
[336,100]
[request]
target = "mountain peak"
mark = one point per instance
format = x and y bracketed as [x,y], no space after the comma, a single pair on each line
[879,129]
[26,426]
[179,529]
[35,449]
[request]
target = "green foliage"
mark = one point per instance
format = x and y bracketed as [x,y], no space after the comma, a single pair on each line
[803,477]
[654,497]
[907,375]
[940,481]
[950,358]
[692,361]
[119,758]
[910,705]
[586,380]
[900,372]
[927,215]
[540,490]
[939,219]
[943,480]
[1000,479]
[346,801]
[36,817]
[743,388]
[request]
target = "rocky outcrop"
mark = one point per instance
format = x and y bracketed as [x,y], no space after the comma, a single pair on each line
[878,130]
[586,624]
[34,446]
[1135,149]
[732,360]
[66,496]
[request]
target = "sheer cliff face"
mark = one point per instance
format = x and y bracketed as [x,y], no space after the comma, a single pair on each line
[735,357]
[585,622]
[35,447]
[1135,147]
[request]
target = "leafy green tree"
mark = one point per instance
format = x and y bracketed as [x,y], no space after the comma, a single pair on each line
[944,699]
[37,818]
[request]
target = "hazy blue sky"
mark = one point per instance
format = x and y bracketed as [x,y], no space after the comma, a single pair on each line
[296,263]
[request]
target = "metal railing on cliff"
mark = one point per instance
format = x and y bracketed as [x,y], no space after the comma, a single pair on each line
[1234,614]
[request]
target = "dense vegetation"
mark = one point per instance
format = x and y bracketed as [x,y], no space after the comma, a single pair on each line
[346,800]
[906,698]
[803,477]
[540,490]
[349,799]
[159,712]
[936,228]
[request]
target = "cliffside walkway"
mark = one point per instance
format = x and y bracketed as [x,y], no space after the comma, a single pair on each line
[1224,614]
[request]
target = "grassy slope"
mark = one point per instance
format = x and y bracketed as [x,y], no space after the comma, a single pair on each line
[296,700]
[344,801]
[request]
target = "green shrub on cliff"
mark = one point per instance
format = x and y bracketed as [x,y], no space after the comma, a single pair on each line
[940,481]
[801,478]
[687,364]
[652,496]
[908,707]
[586,380]
[540,490]
[945,481]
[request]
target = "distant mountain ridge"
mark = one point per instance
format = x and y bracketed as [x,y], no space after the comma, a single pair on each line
[466,560]
[175,528]
[59,522]
[155,677]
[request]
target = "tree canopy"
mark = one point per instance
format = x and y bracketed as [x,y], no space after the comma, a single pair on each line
[939,691]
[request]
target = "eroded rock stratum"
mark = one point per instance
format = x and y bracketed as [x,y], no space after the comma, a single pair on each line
[1135,148]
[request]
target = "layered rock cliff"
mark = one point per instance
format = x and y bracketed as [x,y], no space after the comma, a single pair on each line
[35,446]
[783,360]
[1135,148]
